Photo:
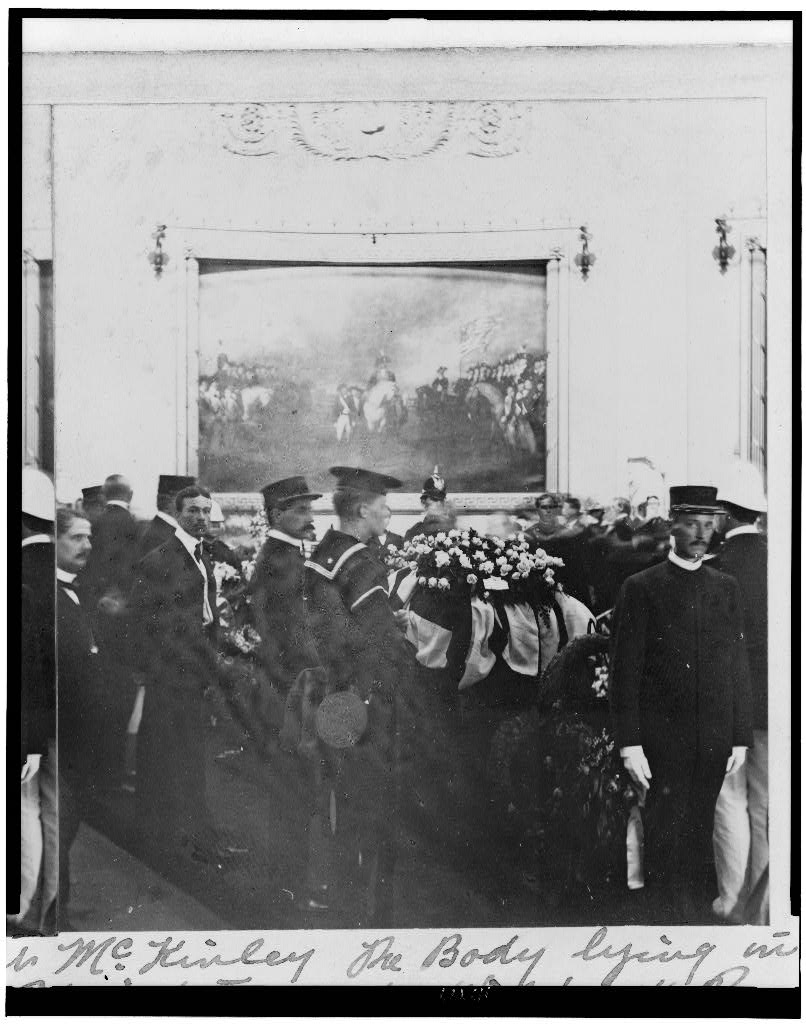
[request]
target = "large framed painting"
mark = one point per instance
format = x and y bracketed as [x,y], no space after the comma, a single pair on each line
[399,367]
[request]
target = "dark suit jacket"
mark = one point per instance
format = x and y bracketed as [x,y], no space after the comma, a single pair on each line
[114,556]
[170,644]
[276,590]
[155,533]
[82,703]
[680,682]
[745,558]
[37,648]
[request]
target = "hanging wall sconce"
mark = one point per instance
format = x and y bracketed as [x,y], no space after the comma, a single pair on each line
[723,253]
[585,259]
[158,259]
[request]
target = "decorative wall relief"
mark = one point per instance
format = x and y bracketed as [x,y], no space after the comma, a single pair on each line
[255,129]
[383,130]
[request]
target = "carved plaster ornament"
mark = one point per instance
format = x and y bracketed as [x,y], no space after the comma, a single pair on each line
[380,130]
[387,131]
[254,129]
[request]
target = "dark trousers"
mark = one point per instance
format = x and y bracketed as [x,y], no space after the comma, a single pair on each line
[351,831]
[171,766]
[678,828]
[74,799]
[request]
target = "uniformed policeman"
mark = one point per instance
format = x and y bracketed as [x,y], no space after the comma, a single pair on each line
[368,663]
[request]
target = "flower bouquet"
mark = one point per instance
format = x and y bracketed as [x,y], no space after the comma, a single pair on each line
[568,799]
[475,601]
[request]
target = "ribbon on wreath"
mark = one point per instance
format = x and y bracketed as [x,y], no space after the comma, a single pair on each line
[467,637]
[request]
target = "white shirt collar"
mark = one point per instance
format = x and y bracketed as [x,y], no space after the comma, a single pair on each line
[37,538]
[65,577]
[746,528]
[285,538]
[675,559]
[382,539]
[121,504]
[168,519]
[187,541]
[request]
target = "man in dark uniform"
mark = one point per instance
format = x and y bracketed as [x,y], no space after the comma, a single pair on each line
[163,526]
[105,585]
[433,498]
[741,841]
[368,662]
[174,622]
[681,704]
[276,590]
[82,706]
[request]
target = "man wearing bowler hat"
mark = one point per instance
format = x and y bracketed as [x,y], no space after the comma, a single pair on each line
[368,662]
[277,583]
[681,703]
[163,526]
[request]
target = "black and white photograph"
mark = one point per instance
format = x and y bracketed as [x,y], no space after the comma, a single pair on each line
[406,450]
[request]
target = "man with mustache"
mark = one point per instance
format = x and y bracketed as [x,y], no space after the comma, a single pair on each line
[277,582]
[681,703]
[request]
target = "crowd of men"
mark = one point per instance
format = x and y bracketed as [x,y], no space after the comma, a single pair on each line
[128,614]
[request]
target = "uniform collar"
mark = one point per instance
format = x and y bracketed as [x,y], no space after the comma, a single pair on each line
[746,528]
[683,563]
[276,534]
[37,538]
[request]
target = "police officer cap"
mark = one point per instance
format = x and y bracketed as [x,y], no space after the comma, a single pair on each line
[91,493]
[693,499]
[283,492]
[38,495]
[364,480]
[434,487]
[174,484]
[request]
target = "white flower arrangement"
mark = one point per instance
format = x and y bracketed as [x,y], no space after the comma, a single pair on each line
[467,562]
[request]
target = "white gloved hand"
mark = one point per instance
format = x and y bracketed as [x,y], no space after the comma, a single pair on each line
[31,767]
[637,765]
[736,760]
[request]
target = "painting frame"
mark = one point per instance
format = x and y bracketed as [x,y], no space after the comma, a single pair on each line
[550,245]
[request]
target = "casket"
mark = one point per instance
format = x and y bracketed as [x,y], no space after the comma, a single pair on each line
[468,635]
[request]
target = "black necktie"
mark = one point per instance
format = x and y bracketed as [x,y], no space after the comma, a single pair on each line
[198,552]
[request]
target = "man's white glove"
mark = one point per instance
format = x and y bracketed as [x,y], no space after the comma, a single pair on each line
[31,767]
[736,760]
[637,765]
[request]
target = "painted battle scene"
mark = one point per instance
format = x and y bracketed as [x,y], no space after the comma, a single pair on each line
[400,367]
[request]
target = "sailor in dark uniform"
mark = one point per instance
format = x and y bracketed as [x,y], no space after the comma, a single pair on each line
[368,662]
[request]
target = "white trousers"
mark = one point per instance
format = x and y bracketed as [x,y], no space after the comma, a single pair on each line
[741,840]
[39,844]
